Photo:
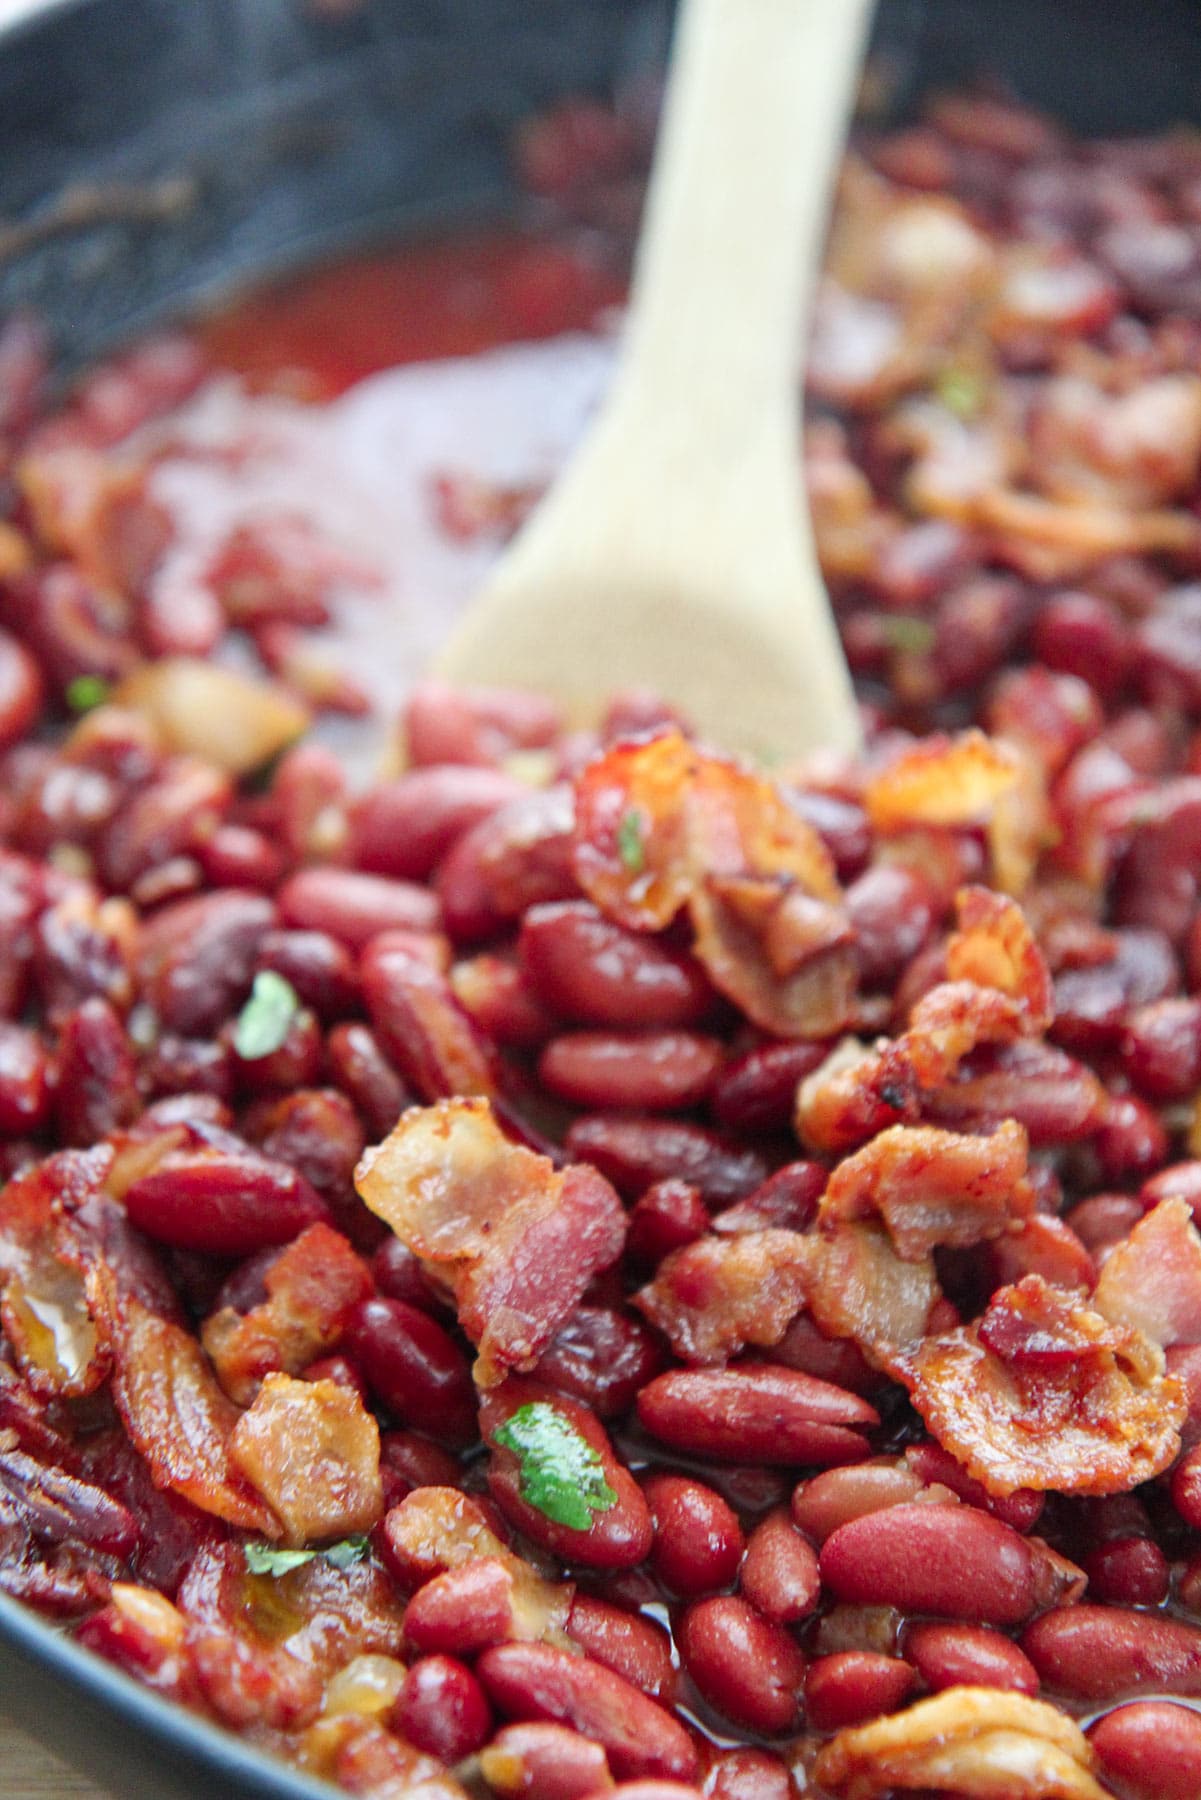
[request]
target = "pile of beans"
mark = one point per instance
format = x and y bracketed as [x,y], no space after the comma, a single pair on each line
[584,1267]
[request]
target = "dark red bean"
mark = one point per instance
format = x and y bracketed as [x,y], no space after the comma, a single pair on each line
[295,1063]
[495,992]
[893,912]
[545,1762]
[849,1687]
[757,1091]
[635,1153]
[441,1708]
[422,1026]
[397,1273]
[197,958]
[476,725]
[603,1358]
[953,1561]
[669,1215]
[661,1071]
[1084,634]
[361,1069]
[780,1575]
[97,1075]
[1130,1571]
[317,1132]
[787,1201]
[25,1095]
[354,908]
[1104,1652]
[748,1774]
[755,1413]
[463,1610]
[698,1541]
[408,1461]
[746,1667]
[1150,1750]
[594,972]
[634,1646]
[404,828]
[320,969]
[968,1656]
[1161,1048]
[1104,1220]
[537,1681]
[237,856]
[515,859]
[829,1500]
[21,690]
[1021,1509]
[415,1368]
[178,811]
[178,1066]
[226,1202]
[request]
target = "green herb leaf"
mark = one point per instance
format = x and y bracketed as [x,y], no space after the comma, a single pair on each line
[961,392]
[901,631]
[630,847]
[264,1020]
[561,1474]
[269,1559]
[266,1559]
[85,692]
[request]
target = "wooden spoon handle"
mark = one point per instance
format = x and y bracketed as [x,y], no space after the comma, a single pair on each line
[759,93]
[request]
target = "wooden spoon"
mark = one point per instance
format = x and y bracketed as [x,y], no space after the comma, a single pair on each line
[675,551]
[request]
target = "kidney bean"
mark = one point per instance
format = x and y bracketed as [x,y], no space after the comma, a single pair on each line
[197,957]
[603,1358]
[317,1132]
[661,1071]
[953,1561]
[180,809]
[463,1610]
[634,1646]
[698,1541]
[849,1687]
[1022,1509]
[748,1775]
[1150,1750]
[757,1090]
[307,799]
[968,1656]
[352,907]
[494,991]
[669,1215]
[398,1274]
[178,1067]
[836,1360]
[755,1413]
[415,1368]
[1104,1220]
[1103,1652]
[422,1027]
[321,970]
[475,725]
[594,972]
[295,1063]
[227,1201]
[21,690]
[404,828]
[780,1575]
[441,1708]
[538,1681]
[97,1076]
[1161,1048]
[409,1461]
[893,912]
[620,1534]
[827,1501]
[1186,1488]
[238,856]
[786,1201]
[516,858]
[361,1069]
[544,1762]
[1130,1571]
[25,1092]
[749,1669]
[635,1153]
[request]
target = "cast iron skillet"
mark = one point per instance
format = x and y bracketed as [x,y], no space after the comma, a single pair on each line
[157,153]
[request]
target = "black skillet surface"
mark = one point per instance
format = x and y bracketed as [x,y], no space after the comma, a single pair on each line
[157,153]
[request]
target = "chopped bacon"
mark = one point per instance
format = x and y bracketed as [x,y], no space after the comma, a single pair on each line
[514,1240]
[1043,1392]
[714,1297]
[311,1449]
[942,781]
[177,1416]
[976,1743]
[1041,1245]
[49,1309]
[933,1187]
[1151,1281]
[995,947]
[860,1289]
[312,1288]
[661,825]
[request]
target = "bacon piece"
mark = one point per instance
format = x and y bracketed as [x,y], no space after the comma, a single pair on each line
[714,1297]
[49,1308]
[311,1449]
[1043,1392]
[514,1240]
[860,1289]
[1151,1281]
[995,947]
[313,1286]
[933,1187]
[177,1416]
[662,825]
[976,1743]
[942,781]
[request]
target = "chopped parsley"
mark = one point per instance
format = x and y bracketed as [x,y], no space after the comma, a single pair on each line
[268,1559]
[961,392]
[561,1474]
[630,846]
[86,692]
[264,1021]
[902,631]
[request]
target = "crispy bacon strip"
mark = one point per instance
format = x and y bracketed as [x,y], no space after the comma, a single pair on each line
[514,1240]
[311,1449]
[1043,1392]
[933,1187]
[713,1298]
[976,1743]
[1151,1281]
[860,1289]
[49,1306]
[942,781]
